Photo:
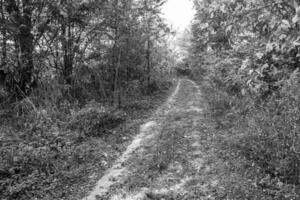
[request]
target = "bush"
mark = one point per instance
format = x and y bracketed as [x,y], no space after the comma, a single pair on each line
[276,126]
[263,129]
[96,120]
[33,161]
[45,158]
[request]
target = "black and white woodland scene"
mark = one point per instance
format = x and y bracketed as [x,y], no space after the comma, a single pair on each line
[149,99]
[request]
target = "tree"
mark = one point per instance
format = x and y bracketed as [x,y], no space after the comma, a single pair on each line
[24,24]
[154,30]
[20,18]
[4,45]
[62,39]
[254,47]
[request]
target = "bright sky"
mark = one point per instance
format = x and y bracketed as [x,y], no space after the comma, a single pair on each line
[179,13]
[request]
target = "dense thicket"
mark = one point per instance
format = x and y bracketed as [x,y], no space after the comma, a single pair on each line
[71,70]
[247,55]
[67,45]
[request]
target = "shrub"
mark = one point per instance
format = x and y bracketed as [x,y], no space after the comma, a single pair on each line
[43,159]
[95,119]
[276,126]
[264,130]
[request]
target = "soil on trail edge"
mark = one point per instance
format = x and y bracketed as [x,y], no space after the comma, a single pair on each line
[118,172]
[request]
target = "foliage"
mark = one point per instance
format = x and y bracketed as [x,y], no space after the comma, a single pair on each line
[245,53]
[66,70]
[41,160]
[96,120]
[51,151]
[83,45]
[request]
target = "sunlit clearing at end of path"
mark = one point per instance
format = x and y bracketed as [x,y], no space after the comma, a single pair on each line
[179,13]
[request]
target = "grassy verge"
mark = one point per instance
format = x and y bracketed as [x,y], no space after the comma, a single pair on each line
[253,135]
[54,153]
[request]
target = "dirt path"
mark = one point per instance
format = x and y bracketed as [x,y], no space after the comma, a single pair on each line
[119,171]
[177,156]
[170,158]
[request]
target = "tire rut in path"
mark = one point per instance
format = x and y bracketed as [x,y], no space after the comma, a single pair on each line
[180,124]
[118,171]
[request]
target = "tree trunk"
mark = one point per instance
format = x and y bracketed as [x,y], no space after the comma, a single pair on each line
[116,57]
[148,58]
[20,13]
[25,38]
[68,58]
[148,51]
[128,47]
[4,48]
[117,97]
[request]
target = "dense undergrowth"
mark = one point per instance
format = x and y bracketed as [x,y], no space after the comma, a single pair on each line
[261,128]
[245,54]
[47,152]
